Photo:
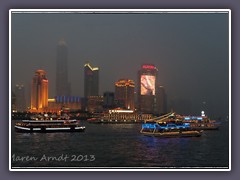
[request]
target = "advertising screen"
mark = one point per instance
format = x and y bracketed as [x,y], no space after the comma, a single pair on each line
[148,85]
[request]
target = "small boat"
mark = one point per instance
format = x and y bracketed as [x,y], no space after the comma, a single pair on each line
[169,130]
[47,126]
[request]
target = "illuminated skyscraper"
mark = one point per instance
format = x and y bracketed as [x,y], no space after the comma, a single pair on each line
[91,80]
[20,98]
[147,78]
[39,93]
[124,93]
[62,85]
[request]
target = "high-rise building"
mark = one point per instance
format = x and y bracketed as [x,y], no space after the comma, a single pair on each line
[108,100]
[13,102]
[20,98]
[95,104]
[63,87]
[161,101]
[147,78]
[39,92]
[124,93]
[91,80]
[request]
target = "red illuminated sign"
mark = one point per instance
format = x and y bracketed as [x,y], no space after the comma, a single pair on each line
[148,66]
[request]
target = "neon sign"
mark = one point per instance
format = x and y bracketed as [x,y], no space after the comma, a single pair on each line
[148,66]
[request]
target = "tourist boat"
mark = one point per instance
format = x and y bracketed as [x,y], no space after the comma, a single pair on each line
[195,122]
[169,130]
[47,126]
[168,126]
[200,122]
[113,121]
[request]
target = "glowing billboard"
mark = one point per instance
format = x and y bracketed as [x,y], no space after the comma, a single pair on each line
[148,85]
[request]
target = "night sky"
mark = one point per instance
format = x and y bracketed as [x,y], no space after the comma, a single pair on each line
[190,50]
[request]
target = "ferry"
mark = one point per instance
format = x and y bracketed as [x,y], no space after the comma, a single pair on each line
[169,130]
[200,122]
[195,122]
[163,126]
[119,116]
[48,126]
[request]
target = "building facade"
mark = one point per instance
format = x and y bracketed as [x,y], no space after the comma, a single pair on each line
[108,100]
[63,86]
[39,92]
[91,80]
[95,104]
[161,101]
[61,103]
[147,78]
[124,93]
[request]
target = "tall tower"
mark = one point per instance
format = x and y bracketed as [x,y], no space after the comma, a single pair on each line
[147,78]
[39,93]
[20,98]
[62,85]
[124,93]
[161,101]
[91,80]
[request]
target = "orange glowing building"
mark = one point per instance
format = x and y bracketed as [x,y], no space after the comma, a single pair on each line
[39,92]
[124,93]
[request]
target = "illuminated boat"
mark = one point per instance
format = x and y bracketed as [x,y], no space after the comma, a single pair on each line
[201,122]
[195,122]
[168,126]
[47,126]
[169,130]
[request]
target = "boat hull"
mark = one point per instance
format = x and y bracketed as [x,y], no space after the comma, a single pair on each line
[48,130]
[173,134]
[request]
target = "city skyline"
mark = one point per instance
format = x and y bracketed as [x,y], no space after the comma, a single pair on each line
[190,51]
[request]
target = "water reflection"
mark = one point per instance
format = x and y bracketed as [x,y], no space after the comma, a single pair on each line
[121,145]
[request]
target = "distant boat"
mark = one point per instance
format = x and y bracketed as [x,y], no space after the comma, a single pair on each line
[200,122]
[47,126]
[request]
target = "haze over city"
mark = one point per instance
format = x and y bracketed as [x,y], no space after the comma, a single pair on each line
[190,51]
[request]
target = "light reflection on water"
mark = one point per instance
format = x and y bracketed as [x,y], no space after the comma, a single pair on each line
[121,145]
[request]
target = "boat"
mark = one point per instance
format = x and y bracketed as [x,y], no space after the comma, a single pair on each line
[168,126]
[47,126]
[200,122]
[169,130]
[119,116]
[195,122]
[113,121]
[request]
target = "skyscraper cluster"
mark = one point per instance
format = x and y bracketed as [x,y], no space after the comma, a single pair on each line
[151,96]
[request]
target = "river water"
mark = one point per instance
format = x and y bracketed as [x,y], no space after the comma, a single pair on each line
[118,146]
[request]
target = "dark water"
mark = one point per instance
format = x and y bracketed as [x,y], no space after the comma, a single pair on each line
[120,145]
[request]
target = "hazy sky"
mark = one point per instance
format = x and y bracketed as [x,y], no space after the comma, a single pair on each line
[190,51]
